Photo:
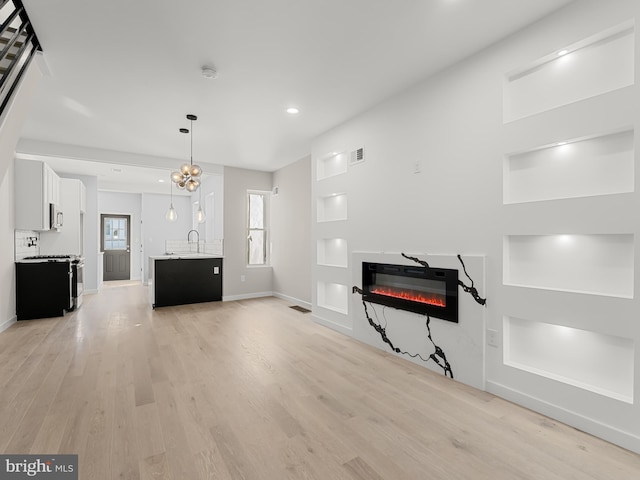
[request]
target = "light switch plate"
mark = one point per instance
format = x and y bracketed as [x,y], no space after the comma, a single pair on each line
[492,338]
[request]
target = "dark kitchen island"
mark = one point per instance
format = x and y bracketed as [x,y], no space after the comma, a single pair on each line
[184,279]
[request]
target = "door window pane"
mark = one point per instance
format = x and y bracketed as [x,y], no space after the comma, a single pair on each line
[115,233]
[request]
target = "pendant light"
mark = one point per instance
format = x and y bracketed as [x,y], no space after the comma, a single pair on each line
[200,215]
[171,215]
[189,174]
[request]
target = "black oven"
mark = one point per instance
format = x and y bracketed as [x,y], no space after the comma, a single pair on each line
[48,285]
[43,288]
[77,281]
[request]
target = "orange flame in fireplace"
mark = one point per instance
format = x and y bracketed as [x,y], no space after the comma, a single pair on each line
[435,299]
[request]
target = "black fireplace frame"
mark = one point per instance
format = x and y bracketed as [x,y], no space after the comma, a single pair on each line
[449,276]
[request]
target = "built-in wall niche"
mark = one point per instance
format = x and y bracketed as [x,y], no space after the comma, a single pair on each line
[333,164]
[576,168]
[332,252]
[600,264]
[332,208]
[601,63]
[333,296]
[589,360]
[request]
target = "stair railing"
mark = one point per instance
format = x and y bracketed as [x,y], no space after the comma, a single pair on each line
[19,45]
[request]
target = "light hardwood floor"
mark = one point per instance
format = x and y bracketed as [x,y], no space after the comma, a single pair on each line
[256,390]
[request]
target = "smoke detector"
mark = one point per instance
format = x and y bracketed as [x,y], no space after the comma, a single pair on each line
[209,72]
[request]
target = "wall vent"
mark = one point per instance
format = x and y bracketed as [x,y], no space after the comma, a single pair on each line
[357,156]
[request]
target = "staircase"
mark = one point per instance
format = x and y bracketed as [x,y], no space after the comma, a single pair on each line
[18,45]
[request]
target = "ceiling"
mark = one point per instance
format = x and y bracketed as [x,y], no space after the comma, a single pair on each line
[123,74]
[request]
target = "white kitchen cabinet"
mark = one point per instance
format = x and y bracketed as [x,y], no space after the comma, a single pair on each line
[69,240]
[37,186]
[52,192]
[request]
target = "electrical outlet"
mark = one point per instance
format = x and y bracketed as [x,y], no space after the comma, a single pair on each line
[242,278]
[417,167]
[492,338]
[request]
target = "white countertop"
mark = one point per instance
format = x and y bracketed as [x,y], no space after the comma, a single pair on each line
[178,256]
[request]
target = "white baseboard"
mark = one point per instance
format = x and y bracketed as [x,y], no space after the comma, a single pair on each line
[91,291]
[295,301]
[607,432]
[8,323]
[246,296]
[333,325]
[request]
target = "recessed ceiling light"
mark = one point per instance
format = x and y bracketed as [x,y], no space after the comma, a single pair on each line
[562,52]
[161,180]
[293,110]
[559,144]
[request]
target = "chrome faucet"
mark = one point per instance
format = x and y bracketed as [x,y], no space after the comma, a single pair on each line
[197,239]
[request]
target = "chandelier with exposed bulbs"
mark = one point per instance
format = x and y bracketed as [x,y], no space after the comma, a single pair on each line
[189,174]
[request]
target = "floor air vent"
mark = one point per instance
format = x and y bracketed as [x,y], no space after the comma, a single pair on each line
[300,309]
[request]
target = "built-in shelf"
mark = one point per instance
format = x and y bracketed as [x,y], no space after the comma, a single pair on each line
[333,296]
[595,166]
[333,164]
[593,361]
[601,264]
[601,63]
[332,252]
[567,327]
[332,258]
[332,208]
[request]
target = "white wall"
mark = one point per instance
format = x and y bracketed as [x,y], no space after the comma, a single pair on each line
[257,280]
[291,232]
[93,258]
[212,184]
[7,268]
[432,182]
[10,126]
[126,204]
[15,114]
[91,233]
[156,229]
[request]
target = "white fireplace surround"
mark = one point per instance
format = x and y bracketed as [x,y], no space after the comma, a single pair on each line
[462,342]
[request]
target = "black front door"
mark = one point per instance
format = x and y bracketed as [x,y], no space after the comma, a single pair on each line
[115,245]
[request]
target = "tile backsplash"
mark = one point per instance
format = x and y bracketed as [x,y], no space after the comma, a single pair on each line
[213,247]
[26,243]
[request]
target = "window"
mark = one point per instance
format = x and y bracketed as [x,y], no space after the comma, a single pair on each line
[257,228]
[115,235]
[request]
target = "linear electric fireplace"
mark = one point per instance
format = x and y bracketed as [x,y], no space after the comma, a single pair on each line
[431,291]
